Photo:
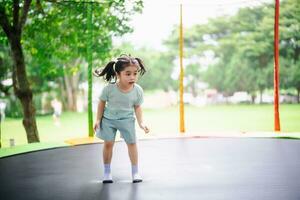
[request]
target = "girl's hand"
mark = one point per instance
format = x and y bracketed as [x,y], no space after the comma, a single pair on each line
[145,128]
[96,126]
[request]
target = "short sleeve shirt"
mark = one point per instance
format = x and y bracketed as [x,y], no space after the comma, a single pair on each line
[120,105]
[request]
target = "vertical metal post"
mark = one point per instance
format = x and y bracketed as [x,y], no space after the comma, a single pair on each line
[0,129]
[181,89]
[90,64]
[276,68]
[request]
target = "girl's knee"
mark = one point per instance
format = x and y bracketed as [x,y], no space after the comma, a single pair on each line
[131,145]
[108,144]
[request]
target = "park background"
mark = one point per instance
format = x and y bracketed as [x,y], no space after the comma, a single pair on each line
[228,60]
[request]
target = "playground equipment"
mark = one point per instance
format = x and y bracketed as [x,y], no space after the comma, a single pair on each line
[276,68]
[276,71]
[174,168]
[182,168]
[181,90]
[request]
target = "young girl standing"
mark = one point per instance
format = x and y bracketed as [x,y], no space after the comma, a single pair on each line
[118,103]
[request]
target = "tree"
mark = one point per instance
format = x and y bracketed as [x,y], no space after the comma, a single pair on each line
[240,45]
[5,64]
[12,21]
[65,25]
[290,44]
[67,50]
[294,74]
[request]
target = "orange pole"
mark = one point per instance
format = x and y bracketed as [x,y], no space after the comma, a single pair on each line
[276,68]
[181,103]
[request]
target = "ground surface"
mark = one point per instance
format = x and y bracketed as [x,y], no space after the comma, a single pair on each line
[182,168]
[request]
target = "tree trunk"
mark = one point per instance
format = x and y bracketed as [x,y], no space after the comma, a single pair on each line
[71,83]
[253,96]
[63,92]
[296,54]
[260,96]
[193,88]
[69,92]
[22,88]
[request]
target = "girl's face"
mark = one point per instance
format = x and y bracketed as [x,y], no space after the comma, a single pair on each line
[128,76]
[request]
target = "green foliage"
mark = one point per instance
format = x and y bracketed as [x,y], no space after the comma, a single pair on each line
[55,38]
[5,63]
[159,66]
[242,46]
[13,108]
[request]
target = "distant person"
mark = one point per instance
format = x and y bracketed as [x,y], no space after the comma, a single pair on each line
[57,108]
[2,110]
[119,102]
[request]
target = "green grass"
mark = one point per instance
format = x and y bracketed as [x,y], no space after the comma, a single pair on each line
[224,118]
[8,151]
[165,122]
[73,125]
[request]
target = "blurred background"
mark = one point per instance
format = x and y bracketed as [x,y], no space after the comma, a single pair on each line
[228,62]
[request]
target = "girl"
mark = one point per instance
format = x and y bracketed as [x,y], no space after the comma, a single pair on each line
[118,103]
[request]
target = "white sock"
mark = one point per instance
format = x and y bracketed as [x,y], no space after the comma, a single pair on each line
[107,172]
[134,169]
[135,174]
[107,169]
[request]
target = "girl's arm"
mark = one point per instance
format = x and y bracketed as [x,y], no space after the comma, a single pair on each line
[101,106]
[139,116]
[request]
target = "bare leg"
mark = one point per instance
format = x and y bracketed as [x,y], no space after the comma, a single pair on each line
[107,151]
[107,155]
[133,153]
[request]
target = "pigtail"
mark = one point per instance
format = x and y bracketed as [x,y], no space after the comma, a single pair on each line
[107,72]
[142,66]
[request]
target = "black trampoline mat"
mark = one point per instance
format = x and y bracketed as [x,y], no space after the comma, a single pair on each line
[181,168]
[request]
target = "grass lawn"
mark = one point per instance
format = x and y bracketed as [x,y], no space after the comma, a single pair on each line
[224,118]
[164,122]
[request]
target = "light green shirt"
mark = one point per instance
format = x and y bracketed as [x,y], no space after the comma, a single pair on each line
[120,105]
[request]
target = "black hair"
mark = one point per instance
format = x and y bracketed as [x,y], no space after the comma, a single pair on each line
[113,68]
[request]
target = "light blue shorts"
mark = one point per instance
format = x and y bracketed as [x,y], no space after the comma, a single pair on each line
[108,129]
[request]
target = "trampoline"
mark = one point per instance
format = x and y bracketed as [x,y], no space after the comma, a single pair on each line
[174,168]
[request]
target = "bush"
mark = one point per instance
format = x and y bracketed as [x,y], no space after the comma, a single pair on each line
[13,107]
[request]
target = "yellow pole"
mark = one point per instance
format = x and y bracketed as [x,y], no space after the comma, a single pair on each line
[181,104]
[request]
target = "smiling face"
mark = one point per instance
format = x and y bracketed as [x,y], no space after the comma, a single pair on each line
[128,76]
